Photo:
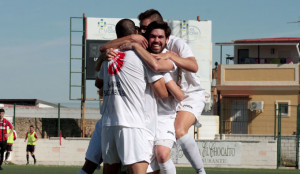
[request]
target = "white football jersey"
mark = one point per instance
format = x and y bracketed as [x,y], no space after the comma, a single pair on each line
[189,82]
[125,82]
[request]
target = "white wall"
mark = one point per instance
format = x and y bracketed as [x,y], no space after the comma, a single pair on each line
[245,154]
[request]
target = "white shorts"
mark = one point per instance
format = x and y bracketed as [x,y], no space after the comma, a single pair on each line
[125,145]
[93,152]
[165,128]
[194,103]
[166,143]
[153,165]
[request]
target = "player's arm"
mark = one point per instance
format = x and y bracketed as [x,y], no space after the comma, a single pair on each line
[15,135]
[100,60]
[36,137]
[11,129]
[159,88]
[99,78]
[161,65]
[99,83]
[189,63]
[118,42]
[26,137]
[175,90]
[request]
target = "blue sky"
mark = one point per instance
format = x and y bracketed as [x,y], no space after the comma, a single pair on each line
[34,34]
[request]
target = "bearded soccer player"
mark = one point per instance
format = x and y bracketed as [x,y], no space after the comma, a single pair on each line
[126,92]
[157,35]
[125,135]
[189,109]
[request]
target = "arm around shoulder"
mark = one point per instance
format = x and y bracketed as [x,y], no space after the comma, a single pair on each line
[159,88]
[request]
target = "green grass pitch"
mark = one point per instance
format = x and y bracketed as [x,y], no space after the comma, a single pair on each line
[40,169]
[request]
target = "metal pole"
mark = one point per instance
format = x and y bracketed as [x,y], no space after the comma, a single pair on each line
[279,139]
[70,80]
[221,55]
[83,89]
[297,136]
[58,121]
[14,119]
[221,121]
[258,54]
[275,122]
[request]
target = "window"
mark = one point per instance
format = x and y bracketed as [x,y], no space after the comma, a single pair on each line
[285,108]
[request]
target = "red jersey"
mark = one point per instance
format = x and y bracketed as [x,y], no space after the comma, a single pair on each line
[3,128]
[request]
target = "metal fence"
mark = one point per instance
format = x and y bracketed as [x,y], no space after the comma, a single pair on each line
[277,122]
[50,121]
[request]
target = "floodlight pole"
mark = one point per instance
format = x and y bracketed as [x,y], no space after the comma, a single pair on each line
[83,85]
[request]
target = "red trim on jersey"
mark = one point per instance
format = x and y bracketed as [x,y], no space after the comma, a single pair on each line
[3,128]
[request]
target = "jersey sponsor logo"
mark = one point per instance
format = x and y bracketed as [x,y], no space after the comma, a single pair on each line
[170,132]
[188,106]
[116,64]
[114,88]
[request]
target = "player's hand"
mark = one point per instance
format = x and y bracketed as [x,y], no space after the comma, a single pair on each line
[5,135]
[161,56]
[110,54]
[127,46]
[140,39]
[172,54]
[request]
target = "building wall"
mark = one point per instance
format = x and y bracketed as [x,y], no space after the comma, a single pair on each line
[280,51]
[259,74]
[262,122]
[268,83]
[246,154]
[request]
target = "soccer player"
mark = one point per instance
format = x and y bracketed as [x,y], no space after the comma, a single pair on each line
[32,138]
[125,135]
[157,35]
[191,107]
[93,157]
[10,142]
[4,124]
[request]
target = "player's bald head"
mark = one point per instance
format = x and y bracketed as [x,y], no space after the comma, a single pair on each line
[125,27]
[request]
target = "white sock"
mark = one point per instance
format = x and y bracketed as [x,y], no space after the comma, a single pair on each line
[201,171]
[191,152]
[167,167]
[82,172]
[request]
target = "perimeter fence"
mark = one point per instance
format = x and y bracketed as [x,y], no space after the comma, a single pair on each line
[278,122]
[52,121]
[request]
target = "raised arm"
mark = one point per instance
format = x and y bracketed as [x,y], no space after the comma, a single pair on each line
[161,65]
[181,53]
[120,41]
[189,63]
[100,60]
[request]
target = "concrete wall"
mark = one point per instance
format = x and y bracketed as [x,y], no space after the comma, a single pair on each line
[243,154]
[288,144]
[209,128]
[49,152]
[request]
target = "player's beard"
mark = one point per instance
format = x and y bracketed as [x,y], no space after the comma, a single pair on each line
[157,47]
